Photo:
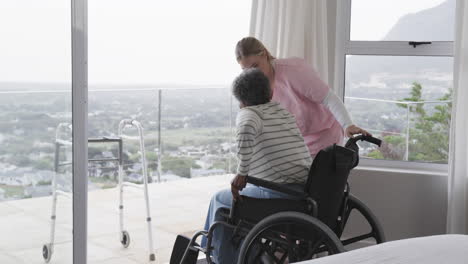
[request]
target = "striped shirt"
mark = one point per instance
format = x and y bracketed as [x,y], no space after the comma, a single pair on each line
[270,146]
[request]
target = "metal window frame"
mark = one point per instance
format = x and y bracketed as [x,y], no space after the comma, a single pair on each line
[345,46]
[79,30]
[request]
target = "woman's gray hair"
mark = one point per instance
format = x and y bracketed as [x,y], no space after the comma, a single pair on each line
[252,87]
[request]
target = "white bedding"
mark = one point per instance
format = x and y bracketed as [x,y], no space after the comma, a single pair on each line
[452,249]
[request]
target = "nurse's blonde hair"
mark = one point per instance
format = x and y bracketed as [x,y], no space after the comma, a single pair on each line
[251,46]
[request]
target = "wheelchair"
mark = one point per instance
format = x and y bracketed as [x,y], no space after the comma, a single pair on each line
[306,226]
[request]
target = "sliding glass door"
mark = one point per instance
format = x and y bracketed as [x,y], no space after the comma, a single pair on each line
[172,81]
[43,151]
[36,145]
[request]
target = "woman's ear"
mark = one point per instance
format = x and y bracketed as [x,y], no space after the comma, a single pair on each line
[262,53]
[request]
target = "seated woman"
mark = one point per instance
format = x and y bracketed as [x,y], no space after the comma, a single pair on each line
[270,147]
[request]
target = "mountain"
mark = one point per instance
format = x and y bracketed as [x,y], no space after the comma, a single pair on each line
[433,24]
[390,77]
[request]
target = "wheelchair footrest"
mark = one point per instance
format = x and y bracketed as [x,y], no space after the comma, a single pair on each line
[180,246]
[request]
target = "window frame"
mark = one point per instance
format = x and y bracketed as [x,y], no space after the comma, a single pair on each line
[79,65]
[345,46]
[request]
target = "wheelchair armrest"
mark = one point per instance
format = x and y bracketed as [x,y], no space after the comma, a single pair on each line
[275,187]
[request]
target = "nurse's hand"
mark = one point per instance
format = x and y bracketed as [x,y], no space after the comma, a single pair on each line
[353,130]
[237,184]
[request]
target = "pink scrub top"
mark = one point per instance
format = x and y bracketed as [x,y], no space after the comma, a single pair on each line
[298,88]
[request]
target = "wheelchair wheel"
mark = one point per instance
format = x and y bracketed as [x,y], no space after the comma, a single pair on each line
[376,228]
[288,237]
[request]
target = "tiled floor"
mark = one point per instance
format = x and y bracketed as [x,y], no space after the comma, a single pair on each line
[176,207]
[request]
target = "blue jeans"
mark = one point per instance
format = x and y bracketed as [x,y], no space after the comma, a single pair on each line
[224,252]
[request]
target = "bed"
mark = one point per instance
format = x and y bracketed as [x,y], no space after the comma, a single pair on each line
[439,249]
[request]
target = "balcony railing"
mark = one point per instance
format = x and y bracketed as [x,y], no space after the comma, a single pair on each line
[188,133]
[407,118]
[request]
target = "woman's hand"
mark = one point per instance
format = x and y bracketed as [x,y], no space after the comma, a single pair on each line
[237,184]
[353,130]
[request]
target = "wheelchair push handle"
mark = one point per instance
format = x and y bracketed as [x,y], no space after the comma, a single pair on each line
[370,139]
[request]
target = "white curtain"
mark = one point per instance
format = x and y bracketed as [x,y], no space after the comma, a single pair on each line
[457,216]
[293,28]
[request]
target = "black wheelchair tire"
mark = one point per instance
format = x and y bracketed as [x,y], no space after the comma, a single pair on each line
[332,241]
[355,203]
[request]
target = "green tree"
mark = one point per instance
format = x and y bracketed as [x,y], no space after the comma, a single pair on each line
[152,160]
[44,164]
[44,183]
[179,165]
[429,132]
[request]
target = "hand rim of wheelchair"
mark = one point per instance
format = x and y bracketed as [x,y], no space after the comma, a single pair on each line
[330,239]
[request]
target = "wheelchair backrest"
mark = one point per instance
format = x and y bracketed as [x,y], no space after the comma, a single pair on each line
[327,180]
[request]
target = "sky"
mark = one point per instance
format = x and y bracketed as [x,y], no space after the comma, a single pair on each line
[372,19]
[146,42]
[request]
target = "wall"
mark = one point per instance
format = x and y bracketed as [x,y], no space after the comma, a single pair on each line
[407,204]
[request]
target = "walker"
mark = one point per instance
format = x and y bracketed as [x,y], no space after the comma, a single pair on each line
[47,249]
